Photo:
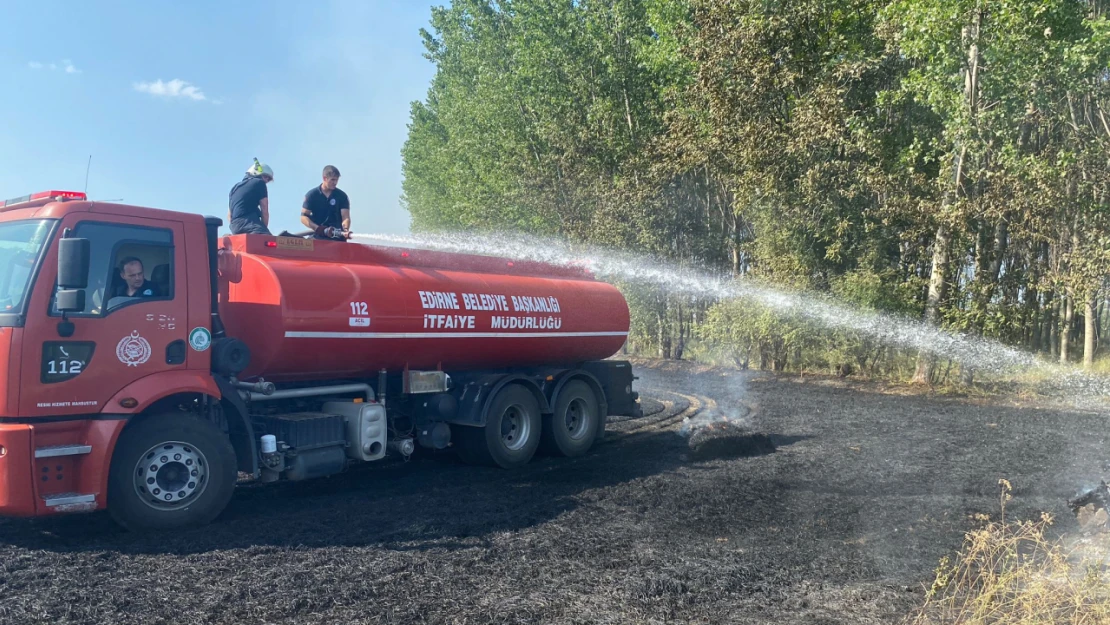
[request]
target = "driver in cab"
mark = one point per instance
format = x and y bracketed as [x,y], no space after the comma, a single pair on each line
[134,279]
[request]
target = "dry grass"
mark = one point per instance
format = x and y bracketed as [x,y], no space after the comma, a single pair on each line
[1010,573]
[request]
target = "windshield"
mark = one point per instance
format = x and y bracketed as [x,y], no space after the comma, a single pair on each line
[21,244]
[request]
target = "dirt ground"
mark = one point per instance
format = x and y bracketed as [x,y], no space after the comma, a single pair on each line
[843,522]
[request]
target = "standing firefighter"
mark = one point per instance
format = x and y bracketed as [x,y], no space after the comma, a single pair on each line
[249,203]
[326,210]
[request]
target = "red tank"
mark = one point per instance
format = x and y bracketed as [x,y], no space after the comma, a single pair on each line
[316,310]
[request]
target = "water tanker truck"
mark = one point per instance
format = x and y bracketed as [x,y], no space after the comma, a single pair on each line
[146,361]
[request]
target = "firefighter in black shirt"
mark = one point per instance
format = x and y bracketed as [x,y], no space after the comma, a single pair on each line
[326,209]
[249,203]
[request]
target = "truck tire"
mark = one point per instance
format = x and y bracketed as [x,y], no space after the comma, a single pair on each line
[170,472]
[572,428]
[511,434]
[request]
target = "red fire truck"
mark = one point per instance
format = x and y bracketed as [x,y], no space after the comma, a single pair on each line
[146,360]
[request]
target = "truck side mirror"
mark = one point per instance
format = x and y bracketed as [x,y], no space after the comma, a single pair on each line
[73,277]
[71,300]
[73,264]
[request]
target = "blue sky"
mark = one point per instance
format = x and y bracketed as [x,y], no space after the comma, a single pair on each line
[298,84]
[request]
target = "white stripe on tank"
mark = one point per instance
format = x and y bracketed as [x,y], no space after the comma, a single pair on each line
[440,335]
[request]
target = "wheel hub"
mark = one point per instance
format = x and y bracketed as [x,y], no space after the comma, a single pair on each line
[515,428]
[576,419]
[170,475]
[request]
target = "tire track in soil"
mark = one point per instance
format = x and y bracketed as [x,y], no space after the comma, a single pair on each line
[672,412]
[675,407]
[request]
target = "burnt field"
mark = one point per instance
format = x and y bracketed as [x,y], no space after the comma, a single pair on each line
[836,513]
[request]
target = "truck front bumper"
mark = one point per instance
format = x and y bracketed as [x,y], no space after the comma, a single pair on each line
[51,468]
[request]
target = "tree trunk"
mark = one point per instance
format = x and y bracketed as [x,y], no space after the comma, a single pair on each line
[1034,316]
[680,344]
[967,374]
[941,244]
[1051,313]
[987,271]
[937,286]
[1099,309]
[1035,340]
[1033,302]
[778,365]
[1089,333]
[664,334]
[1066,312]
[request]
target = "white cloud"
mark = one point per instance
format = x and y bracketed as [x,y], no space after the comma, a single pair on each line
[66,66]
[175,88]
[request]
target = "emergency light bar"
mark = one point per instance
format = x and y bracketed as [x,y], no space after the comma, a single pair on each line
[42,195]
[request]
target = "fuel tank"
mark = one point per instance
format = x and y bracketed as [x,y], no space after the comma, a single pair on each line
[318,310]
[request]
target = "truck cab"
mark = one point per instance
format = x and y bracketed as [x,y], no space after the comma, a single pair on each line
[71,378]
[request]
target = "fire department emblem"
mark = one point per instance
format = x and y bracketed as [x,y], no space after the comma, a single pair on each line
[133,350]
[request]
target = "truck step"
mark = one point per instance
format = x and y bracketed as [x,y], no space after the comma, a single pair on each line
[62,450]
[69,500]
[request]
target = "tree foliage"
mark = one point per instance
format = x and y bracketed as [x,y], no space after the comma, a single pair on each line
[938,158]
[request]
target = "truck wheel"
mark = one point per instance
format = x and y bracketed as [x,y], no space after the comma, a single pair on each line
[571,430]
[170,472]
[511,434]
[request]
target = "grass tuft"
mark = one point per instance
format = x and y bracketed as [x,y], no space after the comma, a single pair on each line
[1008,573]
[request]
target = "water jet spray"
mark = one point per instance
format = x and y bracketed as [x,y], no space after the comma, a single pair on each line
[980,353]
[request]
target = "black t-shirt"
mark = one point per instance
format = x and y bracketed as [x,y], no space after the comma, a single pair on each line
[245,197]
[148,289]
[325,210]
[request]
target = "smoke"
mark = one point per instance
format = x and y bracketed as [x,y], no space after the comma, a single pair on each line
[713,421]
[729,412]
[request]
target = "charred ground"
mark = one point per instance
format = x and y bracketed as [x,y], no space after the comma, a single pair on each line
[841,522]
